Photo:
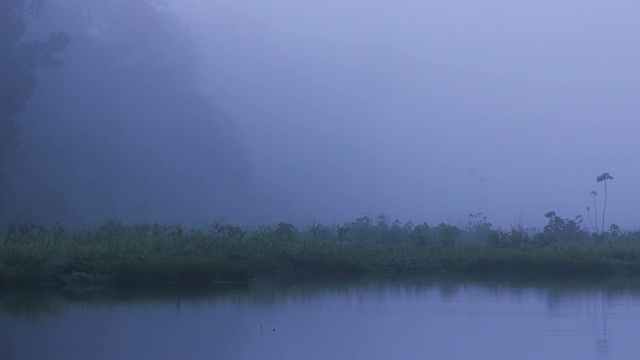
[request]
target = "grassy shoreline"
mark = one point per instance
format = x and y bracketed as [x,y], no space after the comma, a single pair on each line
[119,254]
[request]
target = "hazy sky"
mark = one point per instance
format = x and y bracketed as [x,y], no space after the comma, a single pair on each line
[429,110]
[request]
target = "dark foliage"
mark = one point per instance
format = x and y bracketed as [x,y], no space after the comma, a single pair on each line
[151,253]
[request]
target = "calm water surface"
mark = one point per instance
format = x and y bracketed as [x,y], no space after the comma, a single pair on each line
[390,319]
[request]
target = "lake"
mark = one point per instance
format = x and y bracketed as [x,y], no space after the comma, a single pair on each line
[404,318]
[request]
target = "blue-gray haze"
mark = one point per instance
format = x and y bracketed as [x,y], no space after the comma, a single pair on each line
[328,110]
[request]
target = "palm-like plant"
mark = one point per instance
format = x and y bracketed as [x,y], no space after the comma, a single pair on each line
[594,194]
[604,177]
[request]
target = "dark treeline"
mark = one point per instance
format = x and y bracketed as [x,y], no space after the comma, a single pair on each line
[19,60]
[100,117]
[153,253]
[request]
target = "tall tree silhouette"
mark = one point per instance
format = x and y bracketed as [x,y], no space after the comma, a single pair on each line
[604,177]
[130,126]
[594,194]
[18,63]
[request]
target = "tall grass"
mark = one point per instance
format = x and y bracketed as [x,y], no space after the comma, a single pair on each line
[152,253]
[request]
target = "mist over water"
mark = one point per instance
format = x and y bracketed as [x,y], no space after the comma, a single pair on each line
[429,110]
[266,111]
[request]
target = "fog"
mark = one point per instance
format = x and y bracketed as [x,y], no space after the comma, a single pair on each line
[266,111]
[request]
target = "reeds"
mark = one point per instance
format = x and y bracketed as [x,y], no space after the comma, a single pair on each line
[122,254]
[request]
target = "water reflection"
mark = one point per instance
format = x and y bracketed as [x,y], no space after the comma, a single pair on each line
[408,318]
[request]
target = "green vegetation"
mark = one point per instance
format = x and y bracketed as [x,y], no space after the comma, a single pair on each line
[121,254]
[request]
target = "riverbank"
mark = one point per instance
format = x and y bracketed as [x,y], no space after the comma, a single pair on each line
[119,254]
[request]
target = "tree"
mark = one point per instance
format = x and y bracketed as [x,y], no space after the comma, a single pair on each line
[19,60]
[123,124]
[18,63]
[593,194]
[604,177]
[560,229]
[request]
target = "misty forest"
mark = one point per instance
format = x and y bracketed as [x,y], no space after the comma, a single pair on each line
[303,179]
[137,148]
